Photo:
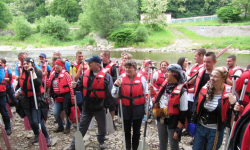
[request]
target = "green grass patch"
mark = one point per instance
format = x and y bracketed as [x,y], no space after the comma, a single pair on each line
[240,42]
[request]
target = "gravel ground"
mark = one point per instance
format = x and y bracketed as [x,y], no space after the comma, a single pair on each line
[217,31]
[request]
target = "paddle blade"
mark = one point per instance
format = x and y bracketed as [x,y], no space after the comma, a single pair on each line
[6,139]
[26,123]
[9,110]
[79,145]
[143,145]
[92,124]
[110,125]
[42,141]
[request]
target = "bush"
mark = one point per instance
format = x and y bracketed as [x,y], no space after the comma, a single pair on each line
[55,26]
[228,14]
[84,26]
[121,37]
[22,28]
[140,34]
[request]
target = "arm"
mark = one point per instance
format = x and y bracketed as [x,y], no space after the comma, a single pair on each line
[69,80]
[16,71]
[37,78]
[108,84]
[2,73]
[67,65]
[115,88]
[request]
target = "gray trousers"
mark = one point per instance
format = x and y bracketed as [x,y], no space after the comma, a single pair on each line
[86,117]
[164,134]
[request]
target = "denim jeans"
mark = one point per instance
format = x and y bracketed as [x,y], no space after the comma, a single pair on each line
[4,112]
[204,134]
[58,108]
[33,120]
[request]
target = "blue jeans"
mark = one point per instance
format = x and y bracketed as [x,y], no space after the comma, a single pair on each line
[204,134]
[33,120]
[58,108]
[4,112]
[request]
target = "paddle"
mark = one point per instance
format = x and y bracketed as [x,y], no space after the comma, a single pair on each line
[143,145]
[42,141]
[45,78]
[121,112]
[5,137]
[79,145]
[26,123]
[9,110]
[117,75]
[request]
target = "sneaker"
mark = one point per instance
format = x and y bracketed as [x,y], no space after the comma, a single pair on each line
[35,140]
[191,142]
[185,133]
[105,138]
[102,146]
[8,132]
[71,147]
[66,131]
[59,130]
[48,141]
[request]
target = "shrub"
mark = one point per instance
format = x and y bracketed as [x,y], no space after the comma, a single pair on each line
[21,27]
[5,15]
[121,37]
[84,26]
[140,34]
[228,14]
[55,26]
[91,41]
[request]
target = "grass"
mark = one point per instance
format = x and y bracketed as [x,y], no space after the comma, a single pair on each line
[241,42]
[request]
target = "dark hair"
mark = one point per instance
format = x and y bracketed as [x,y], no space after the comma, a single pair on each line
[176,75]
[181,61]
[201,51]
[211,54]
[232,56]
[3,60]
[130,62]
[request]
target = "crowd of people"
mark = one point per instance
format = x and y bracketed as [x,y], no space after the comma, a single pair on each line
[185,100]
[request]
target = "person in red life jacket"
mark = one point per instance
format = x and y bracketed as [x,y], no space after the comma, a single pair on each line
[110,66]
[233,69]
[160,75]
[131,87]
[171,107]
[42,64]
[79,65]
[66,62]
[239,85]
[145,69]
[241,131]
[3,109]
[27,100]
[212,112]
[62,93]
[126,56]
[53,60]
[248,67]
[9,80]
[95,84]
[183,62]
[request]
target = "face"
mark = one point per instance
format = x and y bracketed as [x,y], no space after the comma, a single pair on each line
[170,77]
[130,71]
[208,62]
[230,63]
[26,65]
[42,58]
[164,67]
[104,59]
[21,58]
[198,58]
[124,58]
[79,57]
[185,64]
[94,66]
[216,78]
[2,64]
[58,68]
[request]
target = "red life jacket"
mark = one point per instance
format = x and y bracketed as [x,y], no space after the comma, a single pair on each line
[132,90]
[7,76]
[3,86]
[198,80]
[98,88]
[19,68]
[60,84]
[161,78]
[109,67]
[121,70]
[232,71]
[246,98]
[144,72]
[29,86]
[225,105]
[77,65]
[195,68]
[174,99]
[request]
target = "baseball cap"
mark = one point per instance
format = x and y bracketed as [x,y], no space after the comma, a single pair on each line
[94,58]
[42,55]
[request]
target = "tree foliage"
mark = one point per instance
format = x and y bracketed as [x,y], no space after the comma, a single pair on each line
[243,6]
[228,14]
[55,26]
[105,15]
[5,15]
[21,27]
[69,9]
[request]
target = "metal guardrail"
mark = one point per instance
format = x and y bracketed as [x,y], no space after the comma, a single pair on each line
[195,19]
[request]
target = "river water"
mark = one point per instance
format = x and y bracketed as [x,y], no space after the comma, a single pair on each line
[11,56]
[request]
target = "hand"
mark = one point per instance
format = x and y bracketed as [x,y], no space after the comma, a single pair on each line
[118,82]
[175,136]
[73,84]
[232,99]
[150,87]
[45,73]
[237,107]
[31,68]
[153,100]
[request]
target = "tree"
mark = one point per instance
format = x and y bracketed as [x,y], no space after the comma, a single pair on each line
[176,8]
[228,14]
[105,15]
[243,5]
[69,9]
[154,11]
[21,27]
[5,15]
